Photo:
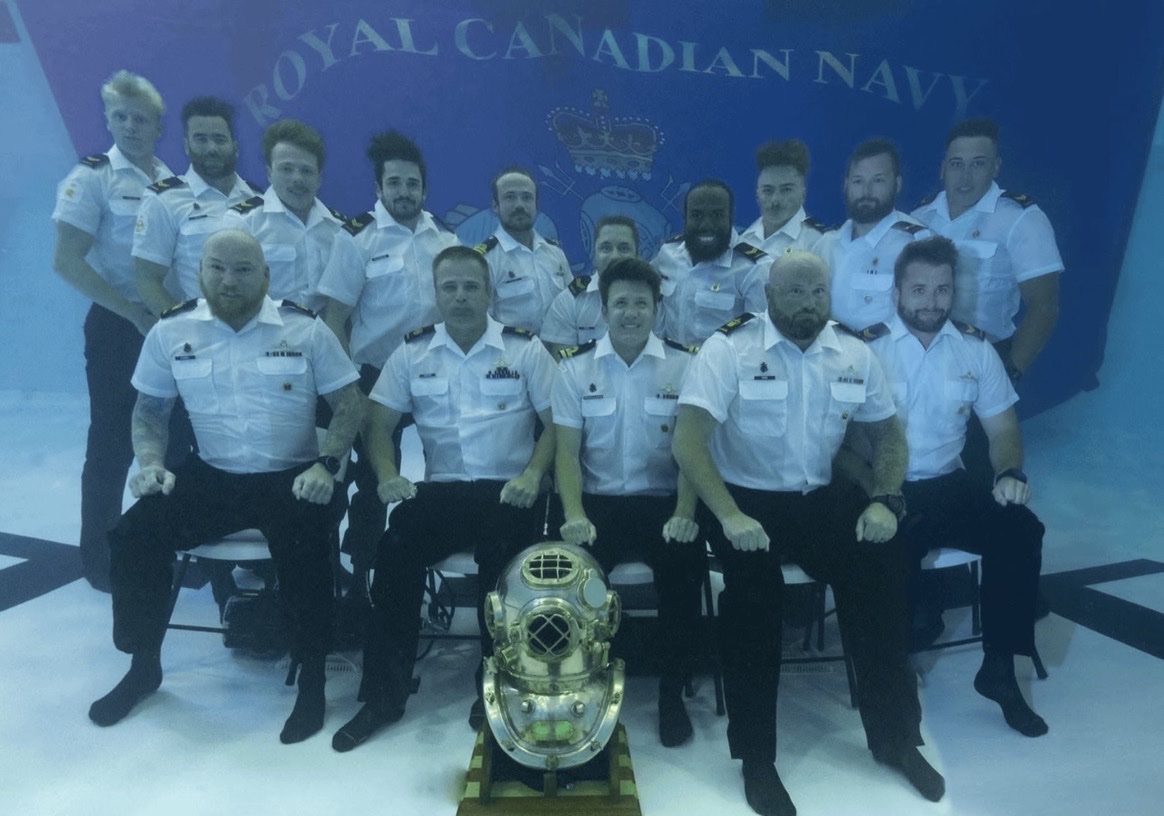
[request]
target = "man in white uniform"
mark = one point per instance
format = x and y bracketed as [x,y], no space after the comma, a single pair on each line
[783,224]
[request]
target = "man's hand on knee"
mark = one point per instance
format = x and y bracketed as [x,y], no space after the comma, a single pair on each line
[152,479]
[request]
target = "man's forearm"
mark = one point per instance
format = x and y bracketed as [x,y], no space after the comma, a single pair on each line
[1041,304]
[150,429]
[542,458]
[692,430]
[890,455]
[347,413]
[151,285]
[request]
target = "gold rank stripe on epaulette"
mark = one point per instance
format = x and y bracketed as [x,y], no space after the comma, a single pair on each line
[735,323]
[907,226]
[297,307]
[1022,199]
[95,160]
[925,202]
[356,225]
[520,332]
[173,182]
[573,351]
[819,226]
[244,207]
[871,332]
[843,329]
[178,308]
[579,285]
[675,344]
[754,254]
[551,241]
[966,328]
[486,245]
[337,215]
[421,332]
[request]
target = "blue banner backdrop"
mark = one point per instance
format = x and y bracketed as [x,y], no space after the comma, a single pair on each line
[620,106]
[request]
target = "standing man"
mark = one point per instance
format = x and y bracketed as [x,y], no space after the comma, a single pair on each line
[95,213]
[614,413]
[527,271]
[940,371]
[763,411]
[576,315]
[386,294]
[780,191]
[706,280]
[861,252]
[476,389]
[250,372]
[178,214]
[301,237]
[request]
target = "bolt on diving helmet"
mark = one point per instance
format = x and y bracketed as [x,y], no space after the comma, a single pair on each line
[552,694]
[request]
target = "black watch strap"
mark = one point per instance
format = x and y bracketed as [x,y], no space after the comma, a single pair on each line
[895,502]
[332,464]
[1011,473]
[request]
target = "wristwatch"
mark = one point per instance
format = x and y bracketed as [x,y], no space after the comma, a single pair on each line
[332,464]
[895,502]
[1012,473]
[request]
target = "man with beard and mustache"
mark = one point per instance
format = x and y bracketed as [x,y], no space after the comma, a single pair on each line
[780,193]
[861,252]
[527,271]
[387,293]
[706,280]
[95,212]
[940,371]
[301,237]
[179,213]
[250,372]
[763,410]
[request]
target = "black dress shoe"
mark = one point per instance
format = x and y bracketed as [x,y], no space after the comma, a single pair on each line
[765,792]
[674,724]
[477,714]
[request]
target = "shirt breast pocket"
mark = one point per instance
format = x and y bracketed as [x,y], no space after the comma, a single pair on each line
[199,225]
[124,207]
[599,421]
[873,283]
[284,381]
[502,393]
[660,416]
[763,407]
[388,285]
[716,301]
[195,383]
[430,399]
[515,288]
[960,396]
[845,399]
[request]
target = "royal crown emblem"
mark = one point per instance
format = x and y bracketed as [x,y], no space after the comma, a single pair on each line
[600,144]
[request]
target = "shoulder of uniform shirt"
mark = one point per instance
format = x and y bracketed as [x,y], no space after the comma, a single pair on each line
[819,226]
[967,329]
[752,253]
[735,323]
[244,207]
[552,242]
[909,226]
[297,308]
[487,245]
[675,344]
[179,308]
[677,238]
[1022,199]
[567,352]
[579,285]
[94,160]
[337,215]
[520,332]
[868,333]
[171,183]
[418,333]
[356,224]
[927,201]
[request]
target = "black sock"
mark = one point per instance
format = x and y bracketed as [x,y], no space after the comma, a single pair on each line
[142,679]
[996,681]
[765,792]
[913,766]
[307,715]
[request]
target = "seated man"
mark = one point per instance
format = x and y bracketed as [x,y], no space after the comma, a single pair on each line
[614,411]
[941,371]
[476,389]
[250,372]
[762,413]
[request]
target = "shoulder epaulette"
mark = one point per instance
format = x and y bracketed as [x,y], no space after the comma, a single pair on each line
[910,227]
[676,238]
[251,203]
[675,344]
[336,214]
[735,323]
[966,328]
[1021,199]
[95,160]
[872,332]
[486,245]
[753,254]
[355,225]
[296,307]
[421,332]
[930,199]
[573,351]
[171,183]
[849,330]
[579,285]
[520,332]
[178,308]
[551,241]
[819,226]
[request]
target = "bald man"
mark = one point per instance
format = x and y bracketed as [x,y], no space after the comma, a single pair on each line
[249,371]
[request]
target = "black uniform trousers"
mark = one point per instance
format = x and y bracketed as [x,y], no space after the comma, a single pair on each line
[443,518]
[112,346]
[631,527]
[205,505]
[817,532]
[955,511]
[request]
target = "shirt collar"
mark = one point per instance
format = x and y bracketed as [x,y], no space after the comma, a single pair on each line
[198,185]
[899,331]
[509,243]
[492,337]
[989,199]
[792,228]
[273,204]
[653,348]
[827,339]
[385,220]
[268,313]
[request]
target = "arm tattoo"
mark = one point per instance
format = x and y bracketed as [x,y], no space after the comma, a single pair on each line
[347,413]
[890,455]
[151,428]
